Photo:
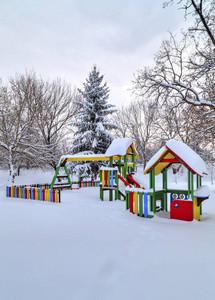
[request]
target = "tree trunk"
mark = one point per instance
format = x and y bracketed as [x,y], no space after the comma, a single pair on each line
[11,168]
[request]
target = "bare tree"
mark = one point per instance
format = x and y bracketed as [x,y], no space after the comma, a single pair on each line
[14,130]
[137,122]
[121,119]
[54,111]
[182,81]
[33,120]
[185,70]
[186,123]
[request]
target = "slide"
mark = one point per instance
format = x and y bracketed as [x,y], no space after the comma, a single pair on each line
[132,180]
[126,183]
[123,180]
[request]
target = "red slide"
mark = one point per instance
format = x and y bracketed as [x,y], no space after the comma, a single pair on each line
[123,180]
[131,180]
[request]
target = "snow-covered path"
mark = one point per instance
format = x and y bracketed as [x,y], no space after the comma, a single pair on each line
[87,249]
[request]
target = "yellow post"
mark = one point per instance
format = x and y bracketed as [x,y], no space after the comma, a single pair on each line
[196,209]
[28,196]
[36,195]
[46,195]
[56,196]
[48,191]
[135,199]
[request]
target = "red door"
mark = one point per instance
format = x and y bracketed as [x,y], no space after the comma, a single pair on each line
[181,210]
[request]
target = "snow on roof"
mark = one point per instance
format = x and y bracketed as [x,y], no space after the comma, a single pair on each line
[180,150]
[119,147]
[190,157]
[82,157]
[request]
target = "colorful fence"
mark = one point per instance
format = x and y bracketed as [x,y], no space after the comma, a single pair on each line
[33,193]
[87,183]
[81,184]
[35,185]
[137,202]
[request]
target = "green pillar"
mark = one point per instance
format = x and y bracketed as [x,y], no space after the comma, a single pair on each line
[67,173]
[133,161]
[192,190]
[127,199]
[200,184]
[55,176]
[108,178]
[188,180]
[152,185]
[101,193]
[140,196]
[119,165]
[164,173]
[192,185]
[117,186]
[110,195]
[101,189]
[197,181]
[125,166]
[111,162]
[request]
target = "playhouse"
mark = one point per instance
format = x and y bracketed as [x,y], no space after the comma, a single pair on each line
[184,204]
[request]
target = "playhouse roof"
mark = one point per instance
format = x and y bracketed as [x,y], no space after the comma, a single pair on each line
[121,147]
[176,152]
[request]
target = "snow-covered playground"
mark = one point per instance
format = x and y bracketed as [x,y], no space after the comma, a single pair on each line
[88,249]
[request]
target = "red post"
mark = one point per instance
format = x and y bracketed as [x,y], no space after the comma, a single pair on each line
[10,191]
[34,194]
[131,202]
[43,194]
[53,195]
[106,178]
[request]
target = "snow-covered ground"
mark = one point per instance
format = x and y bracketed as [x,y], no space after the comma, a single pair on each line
[86,249]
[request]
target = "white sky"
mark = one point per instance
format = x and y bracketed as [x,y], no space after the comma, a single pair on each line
[65,38]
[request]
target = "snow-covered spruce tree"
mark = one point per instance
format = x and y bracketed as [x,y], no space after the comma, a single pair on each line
[92,123]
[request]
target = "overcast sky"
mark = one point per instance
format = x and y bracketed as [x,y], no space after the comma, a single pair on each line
[65,38]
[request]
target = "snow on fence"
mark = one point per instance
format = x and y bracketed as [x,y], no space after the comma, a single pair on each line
[34,193]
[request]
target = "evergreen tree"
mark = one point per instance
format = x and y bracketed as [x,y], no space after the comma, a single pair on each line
[92,123]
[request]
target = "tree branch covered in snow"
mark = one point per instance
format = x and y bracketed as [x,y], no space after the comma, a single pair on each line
[184,70]
[33,118]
